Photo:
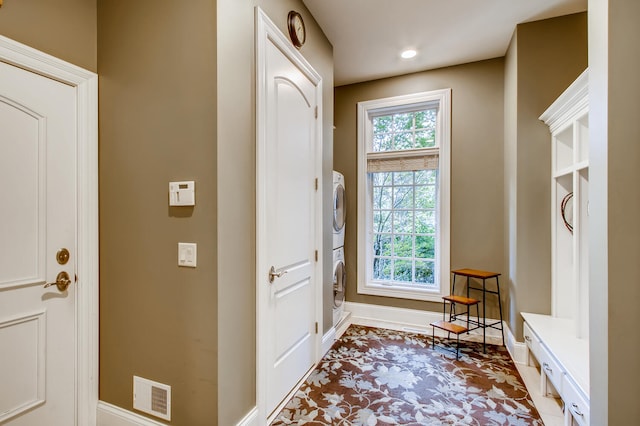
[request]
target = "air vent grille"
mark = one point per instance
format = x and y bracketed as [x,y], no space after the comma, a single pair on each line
[159,400]
[152,397]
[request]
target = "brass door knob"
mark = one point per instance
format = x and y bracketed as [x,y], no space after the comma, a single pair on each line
[62,281]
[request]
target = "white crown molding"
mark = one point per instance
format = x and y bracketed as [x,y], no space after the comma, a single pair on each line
[574,99]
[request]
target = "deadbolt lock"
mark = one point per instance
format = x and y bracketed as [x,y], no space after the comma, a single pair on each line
[62,256]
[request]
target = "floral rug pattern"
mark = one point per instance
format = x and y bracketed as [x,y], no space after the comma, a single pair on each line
[374,376]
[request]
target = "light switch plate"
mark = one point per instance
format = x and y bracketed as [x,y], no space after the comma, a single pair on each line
[187,254]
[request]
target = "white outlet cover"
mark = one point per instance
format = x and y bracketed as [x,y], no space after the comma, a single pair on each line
[187,254]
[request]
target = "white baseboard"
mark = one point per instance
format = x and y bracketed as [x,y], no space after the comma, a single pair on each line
[345,321]
[518,350]
[110,415]
[327,341]
[411,320]
[251,419]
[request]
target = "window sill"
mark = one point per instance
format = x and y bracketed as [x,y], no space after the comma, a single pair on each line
[401,292]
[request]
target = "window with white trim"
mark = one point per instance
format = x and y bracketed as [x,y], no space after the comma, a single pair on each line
[404,196]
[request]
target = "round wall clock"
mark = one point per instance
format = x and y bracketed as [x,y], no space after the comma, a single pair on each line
[297,31]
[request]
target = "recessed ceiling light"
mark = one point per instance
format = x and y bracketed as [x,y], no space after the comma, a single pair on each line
[408,54]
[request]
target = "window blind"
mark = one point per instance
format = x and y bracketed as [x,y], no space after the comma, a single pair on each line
[404,163]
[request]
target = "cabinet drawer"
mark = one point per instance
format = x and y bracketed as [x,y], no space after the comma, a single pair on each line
[532,341]
[550,367]
[575,402]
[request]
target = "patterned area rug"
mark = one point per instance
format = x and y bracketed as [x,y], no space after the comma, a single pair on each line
[374,376]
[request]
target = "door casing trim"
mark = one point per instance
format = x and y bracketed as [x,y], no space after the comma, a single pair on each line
[265,30]
[86,85]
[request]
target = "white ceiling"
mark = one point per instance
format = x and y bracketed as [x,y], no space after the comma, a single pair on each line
[368,35]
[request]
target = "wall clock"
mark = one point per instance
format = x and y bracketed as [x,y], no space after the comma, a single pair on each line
[297,31]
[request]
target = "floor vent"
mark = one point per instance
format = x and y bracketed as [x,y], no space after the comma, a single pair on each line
[152,397]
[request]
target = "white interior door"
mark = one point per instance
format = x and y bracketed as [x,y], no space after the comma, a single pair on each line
[37,218]
[288,223]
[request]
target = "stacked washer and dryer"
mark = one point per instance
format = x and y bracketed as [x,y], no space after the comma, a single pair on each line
[339,271]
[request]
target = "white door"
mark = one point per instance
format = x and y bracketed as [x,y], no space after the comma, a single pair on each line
[37,220]
[288,223]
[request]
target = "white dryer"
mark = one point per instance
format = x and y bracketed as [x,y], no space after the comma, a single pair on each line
[339,210]
[339,282]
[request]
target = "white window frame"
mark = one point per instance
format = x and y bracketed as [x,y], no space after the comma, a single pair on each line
[366,111]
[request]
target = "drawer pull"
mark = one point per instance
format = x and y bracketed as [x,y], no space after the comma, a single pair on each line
[576,410]
[527,338]
[547,368]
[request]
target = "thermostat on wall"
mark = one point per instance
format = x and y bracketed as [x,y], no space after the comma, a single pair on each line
[182,193]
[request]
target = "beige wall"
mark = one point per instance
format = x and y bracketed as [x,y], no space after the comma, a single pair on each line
[157,67]
[65,29]
[477,164]
[614,90]
[236,191]
[544,58]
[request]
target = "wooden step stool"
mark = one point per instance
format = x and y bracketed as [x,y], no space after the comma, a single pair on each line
[484,276]
[449,328]
[461,300]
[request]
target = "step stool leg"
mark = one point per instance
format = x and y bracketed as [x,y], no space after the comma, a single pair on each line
[500,307]
[468,309]
[444,311]
[453,286]
[433,338]
[484,317]
[452,311]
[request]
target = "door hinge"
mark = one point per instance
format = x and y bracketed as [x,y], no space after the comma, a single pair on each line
[316,112]
[316,184]
[316,327]
[316,255]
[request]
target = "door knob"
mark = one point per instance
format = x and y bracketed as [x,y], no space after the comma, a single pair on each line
[62,281]
[273,274]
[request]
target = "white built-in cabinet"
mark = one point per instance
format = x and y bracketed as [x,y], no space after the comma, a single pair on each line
[559,343]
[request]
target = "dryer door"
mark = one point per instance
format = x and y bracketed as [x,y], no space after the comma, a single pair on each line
[339,281]
[339,208]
